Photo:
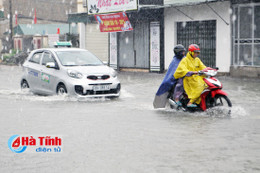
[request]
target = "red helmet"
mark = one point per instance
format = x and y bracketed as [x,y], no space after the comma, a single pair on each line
[194,48]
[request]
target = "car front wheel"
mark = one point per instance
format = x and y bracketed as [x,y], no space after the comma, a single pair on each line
[61,89]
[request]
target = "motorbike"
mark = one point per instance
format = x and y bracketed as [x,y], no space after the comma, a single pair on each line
[211,97]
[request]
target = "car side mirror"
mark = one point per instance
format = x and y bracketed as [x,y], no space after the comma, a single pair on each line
[105,62]
[50,65]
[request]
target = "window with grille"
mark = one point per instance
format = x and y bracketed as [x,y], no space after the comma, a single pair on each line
[202,33]
[246,35]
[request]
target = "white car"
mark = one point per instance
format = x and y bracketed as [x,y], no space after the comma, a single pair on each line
[69,70]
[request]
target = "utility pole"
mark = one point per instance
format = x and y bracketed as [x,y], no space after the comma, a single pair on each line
[11,25]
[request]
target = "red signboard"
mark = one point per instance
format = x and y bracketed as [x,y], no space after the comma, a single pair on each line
[117,22]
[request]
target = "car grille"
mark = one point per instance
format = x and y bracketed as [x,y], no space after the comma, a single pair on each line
[100,84]
[95,77]
[79,90]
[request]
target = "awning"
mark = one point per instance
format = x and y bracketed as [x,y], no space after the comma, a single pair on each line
[85,18]
[43,29]
[187,2]
[80,18]
[177,3]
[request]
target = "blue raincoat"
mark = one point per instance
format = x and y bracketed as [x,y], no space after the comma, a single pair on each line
[169,79]
[167,84]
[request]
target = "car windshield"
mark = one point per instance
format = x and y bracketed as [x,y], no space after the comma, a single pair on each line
[78,58]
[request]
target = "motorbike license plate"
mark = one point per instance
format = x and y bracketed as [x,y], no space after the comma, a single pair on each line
[101,87]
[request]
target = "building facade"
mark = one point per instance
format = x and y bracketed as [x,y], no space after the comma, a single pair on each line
[132,47]
[203,23]
[227,32]
[90,37]
[245,38]
[29,12]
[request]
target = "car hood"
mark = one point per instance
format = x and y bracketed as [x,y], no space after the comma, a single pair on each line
[87,70]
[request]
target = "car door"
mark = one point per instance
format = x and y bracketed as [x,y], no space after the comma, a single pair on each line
[33,69]
[48,76]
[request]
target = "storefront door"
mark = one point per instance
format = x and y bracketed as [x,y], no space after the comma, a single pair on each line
[134,47]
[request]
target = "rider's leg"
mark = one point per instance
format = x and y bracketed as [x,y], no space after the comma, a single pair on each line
[195,96]
[178,91]
[191,103]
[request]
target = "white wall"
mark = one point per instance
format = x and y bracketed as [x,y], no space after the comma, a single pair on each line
[91,38]
[96,41]
[1,4]
[201,12]
[80,7]
[81,26]
[82,35]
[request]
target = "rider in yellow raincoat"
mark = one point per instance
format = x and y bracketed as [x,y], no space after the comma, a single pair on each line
[188,69]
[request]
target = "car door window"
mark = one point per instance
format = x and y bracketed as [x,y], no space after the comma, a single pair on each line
[47,57]
[36,58]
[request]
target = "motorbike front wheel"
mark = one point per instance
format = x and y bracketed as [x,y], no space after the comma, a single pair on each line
[223,103]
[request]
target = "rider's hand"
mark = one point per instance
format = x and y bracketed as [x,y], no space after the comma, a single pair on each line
[190,73]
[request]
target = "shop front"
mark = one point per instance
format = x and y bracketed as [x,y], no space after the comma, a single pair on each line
[141,49]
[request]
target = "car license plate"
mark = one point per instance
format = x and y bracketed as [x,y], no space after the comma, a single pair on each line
[101,87]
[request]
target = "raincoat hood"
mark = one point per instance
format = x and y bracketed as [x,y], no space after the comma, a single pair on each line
[179,55]
[188,64]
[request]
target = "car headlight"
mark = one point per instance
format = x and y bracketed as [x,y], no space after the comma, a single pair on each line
[75,74]
[113,73]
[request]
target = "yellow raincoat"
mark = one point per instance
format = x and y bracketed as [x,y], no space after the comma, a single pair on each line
[193,85]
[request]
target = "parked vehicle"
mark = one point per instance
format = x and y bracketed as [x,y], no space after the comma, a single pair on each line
[213,96]
[69,70]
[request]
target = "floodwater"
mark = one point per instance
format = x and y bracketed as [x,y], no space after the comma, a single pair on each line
[127,134]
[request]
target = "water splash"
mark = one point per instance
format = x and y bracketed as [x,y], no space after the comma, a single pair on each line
[234,112]
[27,95]
[126,94]
[238,111]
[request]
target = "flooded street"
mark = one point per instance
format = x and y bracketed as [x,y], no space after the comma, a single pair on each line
[127,134]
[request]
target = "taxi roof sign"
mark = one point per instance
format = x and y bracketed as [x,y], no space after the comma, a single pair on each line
[62,44]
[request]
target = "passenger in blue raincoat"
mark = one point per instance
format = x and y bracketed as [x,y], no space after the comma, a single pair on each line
[169,81]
